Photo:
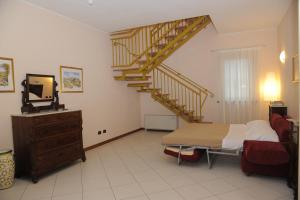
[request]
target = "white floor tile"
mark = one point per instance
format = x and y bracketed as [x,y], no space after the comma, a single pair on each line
[235,195]
[144,197]
[178,180]
[154,186]
[211,198]
[193,192]
[259,192]
[218,186]
[42,189]
[77,196]
[100,194]
[119,179]
[95,183]
[147,175]
[67,186]
[127,191]
[165,195]
[16,191]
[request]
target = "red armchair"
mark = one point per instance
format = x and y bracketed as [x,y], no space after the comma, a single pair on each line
[268,158]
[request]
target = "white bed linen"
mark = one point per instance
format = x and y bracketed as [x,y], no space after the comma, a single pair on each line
[261,130]
[235,137]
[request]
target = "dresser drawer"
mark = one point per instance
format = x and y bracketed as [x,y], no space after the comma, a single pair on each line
[45,141]
[53,118]
[57,158]
[44,131]
[57,141]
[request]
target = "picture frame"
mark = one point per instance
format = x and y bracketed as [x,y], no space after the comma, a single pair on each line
[71,79]
[295,77]
[7,79]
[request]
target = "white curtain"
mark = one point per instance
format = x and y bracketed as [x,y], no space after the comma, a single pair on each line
[240,85]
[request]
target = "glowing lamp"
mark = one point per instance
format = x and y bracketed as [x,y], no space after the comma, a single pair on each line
[282,57]
[271,88]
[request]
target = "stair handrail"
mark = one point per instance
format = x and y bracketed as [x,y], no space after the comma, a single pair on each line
[150,64]
[193,83]
[200,20]
[126,48]
[177,87]
[128,33]
[144,53]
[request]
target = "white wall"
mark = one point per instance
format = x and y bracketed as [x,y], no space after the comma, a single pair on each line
[288,42]
[40,41]
[197,59]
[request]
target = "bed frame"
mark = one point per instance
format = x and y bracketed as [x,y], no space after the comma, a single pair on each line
[213,151]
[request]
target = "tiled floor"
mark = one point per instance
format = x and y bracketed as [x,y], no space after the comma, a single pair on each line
[135,168]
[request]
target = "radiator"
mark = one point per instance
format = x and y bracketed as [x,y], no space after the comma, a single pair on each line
[160,122]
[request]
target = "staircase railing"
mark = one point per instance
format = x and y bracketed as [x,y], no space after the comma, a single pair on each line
[194,25]
[180,89]
[128,45]
[131,45]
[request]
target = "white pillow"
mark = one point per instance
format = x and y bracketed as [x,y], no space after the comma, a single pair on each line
[261,130]
[258,124]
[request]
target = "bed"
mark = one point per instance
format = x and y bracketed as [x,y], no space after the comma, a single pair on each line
[216,138]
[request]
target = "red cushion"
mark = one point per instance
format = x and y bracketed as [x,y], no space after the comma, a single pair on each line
[273,119]
[265,153]
[283,129]
[194,157]
[269,170]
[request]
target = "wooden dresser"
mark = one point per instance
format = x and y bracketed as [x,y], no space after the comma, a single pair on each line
[46,141]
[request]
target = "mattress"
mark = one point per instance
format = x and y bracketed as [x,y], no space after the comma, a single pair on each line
[195,134]
[235,137]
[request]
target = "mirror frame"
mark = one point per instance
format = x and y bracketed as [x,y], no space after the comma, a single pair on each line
[40,75]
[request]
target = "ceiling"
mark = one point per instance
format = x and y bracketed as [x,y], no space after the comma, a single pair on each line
[227,15]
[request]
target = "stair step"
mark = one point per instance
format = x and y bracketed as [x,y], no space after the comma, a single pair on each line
[189,113]
[132,71]
[132,78]
[193,120]
[198,119]
[161,46]
[180,28]
[126,69]
[170,37]
[142,62]
[173,101]
[189,21]
[146,84]
[152,53]
[163,95]
[180,107]
[148,90]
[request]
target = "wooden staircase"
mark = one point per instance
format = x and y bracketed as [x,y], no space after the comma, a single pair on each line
[139,51]
[178,93]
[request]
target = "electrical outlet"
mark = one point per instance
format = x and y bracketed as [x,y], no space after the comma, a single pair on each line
[99,132]
[104,131]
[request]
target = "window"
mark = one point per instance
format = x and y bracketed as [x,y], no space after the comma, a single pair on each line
[240,102]
[236,80]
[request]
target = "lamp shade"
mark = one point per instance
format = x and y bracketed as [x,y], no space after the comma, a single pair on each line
[271,88]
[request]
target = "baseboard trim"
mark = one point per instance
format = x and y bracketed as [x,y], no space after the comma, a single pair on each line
[111,139]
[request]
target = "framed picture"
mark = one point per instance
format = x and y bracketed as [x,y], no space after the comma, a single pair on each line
[296,69]
[7,82]
[71,79]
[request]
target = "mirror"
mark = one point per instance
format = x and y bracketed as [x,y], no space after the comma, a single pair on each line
[40,87]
